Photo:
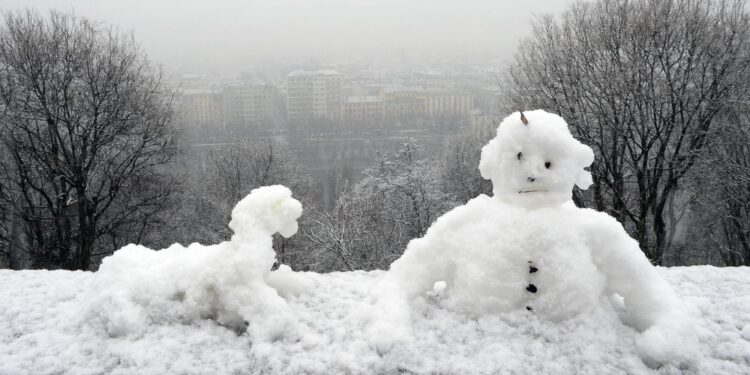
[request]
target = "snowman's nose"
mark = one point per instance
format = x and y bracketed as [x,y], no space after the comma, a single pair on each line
[531,178]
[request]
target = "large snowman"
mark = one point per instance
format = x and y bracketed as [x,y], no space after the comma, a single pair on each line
[528,248]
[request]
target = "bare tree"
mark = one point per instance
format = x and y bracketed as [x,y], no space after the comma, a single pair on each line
[721,216]
[86,126]
[642,82]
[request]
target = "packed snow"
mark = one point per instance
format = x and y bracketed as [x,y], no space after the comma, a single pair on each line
[43,330]
[521,282]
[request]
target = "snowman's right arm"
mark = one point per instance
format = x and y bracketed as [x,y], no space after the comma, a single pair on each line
[431,258]
[410,276]
[422,264]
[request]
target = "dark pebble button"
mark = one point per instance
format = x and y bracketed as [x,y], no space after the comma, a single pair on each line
[528,308]
[531,288]
[533,269]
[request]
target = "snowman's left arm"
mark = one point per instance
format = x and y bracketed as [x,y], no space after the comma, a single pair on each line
[651,305]
[649,300]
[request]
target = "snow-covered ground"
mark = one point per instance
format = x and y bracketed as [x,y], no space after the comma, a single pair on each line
[46,328]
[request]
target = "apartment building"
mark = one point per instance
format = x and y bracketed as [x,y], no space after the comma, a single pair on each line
[442,102]
[364,108]
[201,108]
[234,108]
[401,102]
[314,95]
[404,102]
[247,105]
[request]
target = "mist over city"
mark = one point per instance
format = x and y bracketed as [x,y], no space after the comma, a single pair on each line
[362,186]
[230,63]
[229,37]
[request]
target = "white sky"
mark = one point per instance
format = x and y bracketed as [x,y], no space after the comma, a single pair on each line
[210,34]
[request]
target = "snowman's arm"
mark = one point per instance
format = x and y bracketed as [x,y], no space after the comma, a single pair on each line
[648,299]
[421,265]
[650,304]
[431,258]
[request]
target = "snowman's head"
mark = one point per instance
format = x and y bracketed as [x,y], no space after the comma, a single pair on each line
[534,161]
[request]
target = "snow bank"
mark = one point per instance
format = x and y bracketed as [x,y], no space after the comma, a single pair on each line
[41,333]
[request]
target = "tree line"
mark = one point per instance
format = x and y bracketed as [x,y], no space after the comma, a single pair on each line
[92,158]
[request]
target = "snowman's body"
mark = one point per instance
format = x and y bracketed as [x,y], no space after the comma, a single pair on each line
[541,260]
[528,248]
[549,271]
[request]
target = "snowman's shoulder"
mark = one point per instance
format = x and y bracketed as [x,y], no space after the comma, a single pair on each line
[595,220]
[476,209]
[604,234]
[481,201]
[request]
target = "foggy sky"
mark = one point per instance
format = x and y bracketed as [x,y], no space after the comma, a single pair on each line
[218,34]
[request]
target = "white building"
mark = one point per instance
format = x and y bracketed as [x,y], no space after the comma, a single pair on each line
[248,105]
[364,108]
[201,110]
[314,95]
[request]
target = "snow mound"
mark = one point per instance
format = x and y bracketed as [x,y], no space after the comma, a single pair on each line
[137,286]
[41,333]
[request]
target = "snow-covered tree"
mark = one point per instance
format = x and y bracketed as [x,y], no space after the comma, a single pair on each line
[374,220]
[458,171]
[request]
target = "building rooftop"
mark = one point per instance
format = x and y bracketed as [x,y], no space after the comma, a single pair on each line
[363,99]
[199,91]
[325,72]
[394,89]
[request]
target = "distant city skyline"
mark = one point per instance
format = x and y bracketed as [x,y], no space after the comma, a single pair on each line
[223,34]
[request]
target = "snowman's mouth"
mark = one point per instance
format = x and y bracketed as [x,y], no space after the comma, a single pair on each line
[531,191]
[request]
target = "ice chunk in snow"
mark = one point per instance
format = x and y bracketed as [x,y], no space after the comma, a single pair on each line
[225,282]
[529,250]
[437,289]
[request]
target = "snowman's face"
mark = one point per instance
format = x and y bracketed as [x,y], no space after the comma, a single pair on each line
[535,164]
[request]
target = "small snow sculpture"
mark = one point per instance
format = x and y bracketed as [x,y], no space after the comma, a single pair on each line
[529,249]
[225,282]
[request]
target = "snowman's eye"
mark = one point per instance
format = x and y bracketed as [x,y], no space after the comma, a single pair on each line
[547,165]
[519,156]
